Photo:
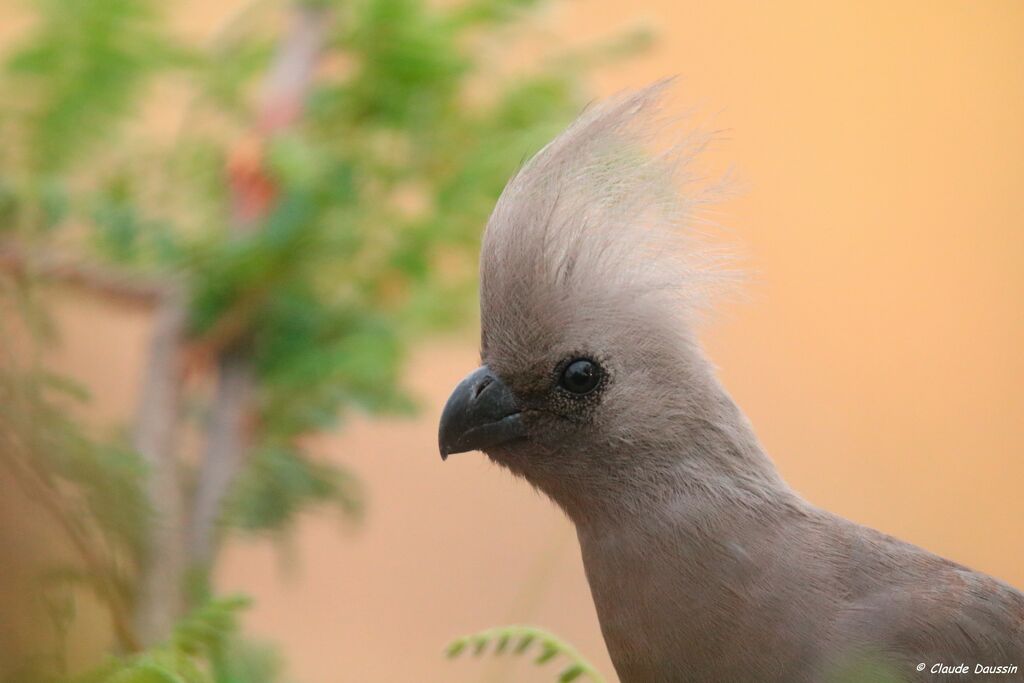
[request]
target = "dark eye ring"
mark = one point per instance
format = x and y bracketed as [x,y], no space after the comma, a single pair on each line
[580,376]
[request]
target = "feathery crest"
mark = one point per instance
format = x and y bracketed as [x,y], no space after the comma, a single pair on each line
[599,222]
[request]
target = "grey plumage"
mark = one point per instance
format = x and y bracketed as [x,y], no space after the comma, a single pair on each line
[704,565]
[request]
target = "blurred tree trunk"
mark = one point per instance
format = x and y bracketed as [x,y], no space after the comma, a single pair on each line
[252,196]
[224,456]
[174,549]
[160,598]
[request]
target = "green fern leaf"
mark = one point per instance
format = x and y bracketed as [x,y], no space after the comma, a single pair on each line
[551,647]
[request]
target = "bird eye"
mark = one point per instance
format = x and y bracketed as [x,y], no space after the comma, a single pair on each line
[580,376]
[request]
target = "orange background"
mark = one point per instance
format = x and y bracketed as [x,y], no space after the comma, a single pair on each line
[880,151]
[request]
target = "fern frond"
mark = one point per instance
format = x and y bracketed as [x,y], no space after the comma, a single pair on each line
[547,646]
[206,629]
[190,655]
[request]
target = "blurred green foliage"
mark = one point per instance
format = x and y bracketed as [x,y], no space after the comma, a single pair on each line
[82,70]
[376,197]
[92,484]
[198,651]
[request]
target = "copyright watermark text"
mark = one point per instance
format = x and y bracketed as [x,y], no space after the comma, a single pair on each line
[964,668]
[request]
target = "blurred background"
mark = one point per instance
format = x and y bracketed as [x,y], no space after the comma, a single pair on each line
[237,282]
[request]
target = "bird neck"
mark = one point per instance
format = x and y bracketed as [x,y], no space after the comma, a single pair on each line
[670,545]
[671,572]
[710,461]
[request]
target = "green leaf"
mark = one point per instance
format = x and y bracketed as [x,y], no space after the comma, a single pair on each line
[456,647]
[571,673]
[548,652]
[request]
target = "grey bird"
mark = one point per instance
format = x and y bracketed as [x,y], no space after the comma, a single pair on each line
[704,565]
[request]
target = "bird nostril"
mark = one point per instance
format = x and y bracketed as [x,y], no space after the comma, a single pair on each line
[479,388]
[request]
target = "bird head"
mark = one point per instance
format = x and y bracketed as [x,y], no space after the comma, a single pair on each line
[590,278]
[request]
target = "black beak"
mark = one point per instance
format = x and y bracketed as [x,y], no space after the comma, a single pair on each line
[480,413]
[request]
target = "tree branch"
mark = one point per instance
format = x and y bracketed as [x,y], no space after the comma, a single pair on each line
[161,593]
[225,447]
[53,265]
